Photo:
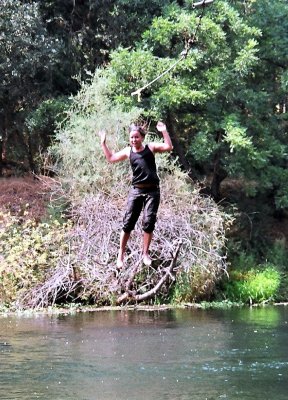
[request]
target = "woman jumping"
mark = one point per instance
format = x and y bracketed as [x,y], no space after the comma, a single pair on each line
[144,193]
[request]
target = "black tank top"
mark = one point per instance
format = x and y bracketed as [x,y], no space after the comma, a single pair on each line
[143,167]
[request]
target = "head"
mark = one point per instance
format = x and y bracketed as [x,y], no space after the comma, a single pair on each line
[137,128]
[136,135]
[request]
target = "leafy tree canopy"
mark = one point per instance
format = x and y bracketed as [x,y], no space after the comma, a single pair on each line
[27,62]
[225,99]
[91,29]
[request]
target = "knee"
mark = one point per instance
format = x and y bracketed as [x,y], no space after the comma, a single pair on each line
[148,224]
[128,227]
[148,229]
[129,222]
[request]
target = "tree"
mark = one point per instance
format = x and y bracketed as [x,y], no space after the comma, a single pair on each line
[40,126]
[90,30]
[268,104]
[27,61]
[228,116]
[44,46]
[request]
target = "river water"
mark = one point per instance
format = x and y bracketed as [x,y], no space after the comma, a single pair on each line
[189,354]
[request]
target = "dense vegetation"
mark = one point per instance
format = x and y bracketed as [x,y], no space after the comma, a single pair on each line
[69,68]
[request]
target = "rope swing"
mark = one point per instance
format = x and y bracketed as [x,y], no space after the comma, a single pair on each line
[183,54]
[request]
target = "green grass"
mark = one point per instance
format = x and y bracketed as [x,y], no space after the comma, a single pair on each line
[254,285]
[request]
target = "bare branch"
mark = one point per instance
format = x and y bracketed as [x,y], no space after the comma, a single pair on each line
[152,292]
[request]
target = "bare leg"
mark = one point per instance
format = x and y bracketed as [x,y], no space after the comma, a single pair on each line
[146,244]
[124,237]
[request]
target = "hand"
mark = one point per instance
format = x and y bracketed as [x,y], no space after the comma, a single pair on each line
[102,135]
[161,127]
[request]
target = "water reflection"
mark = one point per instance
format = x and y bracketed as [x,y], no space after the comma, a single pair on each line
[173,354]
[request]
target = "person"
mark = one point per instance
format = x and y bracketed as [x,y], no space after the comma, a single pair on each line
[144,192]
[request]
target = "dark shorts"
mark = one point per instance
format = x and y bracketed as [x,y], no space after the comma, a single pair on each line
[141,199]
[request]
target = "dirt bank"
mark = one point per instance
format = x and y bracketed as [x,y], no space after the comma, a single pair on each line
[26,197]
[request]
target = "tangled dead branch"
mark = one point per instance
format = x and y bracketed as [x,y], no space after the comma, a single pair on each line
[188,241]
[169,274]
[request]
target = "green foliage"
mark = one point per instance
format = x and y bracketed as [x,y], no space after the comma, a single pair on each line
[90,30]
[203,146]
[81,162]
[195,284]
[225,100]
[244,261]
[278,254]
[253,285]
[25,48]
[27,60]
[28,250]
[246,58]
[181,291]
[44,45]
[44,119]
[41,125]
[235,135]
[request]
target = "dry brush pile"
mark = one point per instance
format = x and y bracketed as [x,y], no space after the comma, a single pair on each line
[187,252]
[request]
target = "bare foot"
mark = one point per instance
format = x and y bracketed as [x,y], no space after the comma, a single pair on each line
[147,261]
[120,263]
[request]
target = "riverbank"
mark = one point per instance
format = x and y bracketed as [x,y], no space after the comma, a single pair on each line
[72,310]
[31,247]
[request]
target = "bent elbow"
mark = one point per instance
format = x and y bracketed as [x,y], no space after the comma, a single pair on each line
[112,160]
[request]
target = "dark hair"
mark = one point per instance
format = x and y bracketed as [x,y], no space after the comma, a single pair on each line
[137,128]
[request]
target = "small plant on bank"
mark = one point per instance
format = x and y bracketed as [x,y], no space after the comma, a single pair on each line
[193,285]
[255,285]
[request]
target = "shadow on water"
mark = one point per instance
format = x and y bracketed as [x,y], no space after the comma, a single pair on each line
[172,354]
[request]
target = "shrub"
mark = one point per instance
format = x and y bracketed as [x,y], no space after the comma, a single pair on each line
[278,254]
[254,285]
[77,149]
[28,250]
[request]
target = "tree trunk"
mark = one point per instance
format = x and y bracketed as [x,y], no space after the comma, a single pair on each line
[1,158]
[219,174]
[3,143]
[26,146]
[178,148]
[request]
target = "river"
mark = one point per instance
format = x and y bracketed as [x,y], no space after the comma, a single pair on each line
[189,354]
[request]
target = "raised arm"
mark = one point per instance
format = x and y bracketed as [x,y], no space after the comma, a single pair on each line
[110,156]
[161,147]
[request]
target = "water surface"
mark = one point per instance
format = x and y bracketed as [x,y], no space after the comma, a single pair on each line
[173,354]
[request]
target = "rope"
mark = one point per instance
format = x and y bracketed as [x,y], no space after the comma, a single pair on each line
[138,91]
[183,55]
